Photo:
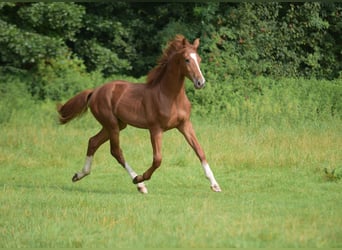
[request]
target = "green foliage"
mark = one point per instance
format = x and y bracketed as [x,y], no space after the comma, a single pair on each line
[102,59]
[13,94]
[24,49]
[258,101]
[104,43]
[276,40]
[241,45]
[56,19]
[262,100]
[61,78]
[238,39]
[38,31]
[333,175]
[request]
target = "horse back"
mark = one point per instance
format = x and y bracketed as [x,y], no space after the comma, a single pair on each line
[119,101]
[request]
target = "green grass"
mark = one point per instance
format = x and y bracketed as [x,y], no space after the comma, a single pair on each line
[275,191]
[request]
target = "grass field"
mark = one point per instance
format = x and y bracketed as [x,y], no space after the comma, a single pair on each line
[275,189]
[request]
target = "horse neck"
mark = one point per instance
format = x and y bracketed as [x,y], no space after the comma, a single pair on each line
[172,83]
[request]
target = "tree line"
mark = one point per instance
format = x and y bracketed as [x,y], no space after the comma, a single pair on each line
[278,39]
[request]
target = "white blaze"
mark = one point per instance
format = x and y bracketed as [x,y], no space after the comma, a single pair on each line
[194,56]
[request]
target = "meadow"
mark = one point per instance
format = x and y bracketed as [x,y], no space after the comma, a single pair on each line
[269,120]
[278,186]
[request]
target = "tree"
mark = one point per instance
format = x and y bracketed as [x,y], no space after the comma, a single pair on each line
[38,31]
[237,39]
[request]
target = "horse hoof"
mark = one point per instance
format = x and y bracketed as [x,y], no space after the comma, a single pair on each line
[216,188]
[138,179]
[141,188]
[75,178]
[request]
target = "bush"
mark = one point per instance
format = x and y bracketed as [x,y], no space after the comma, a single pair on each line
[13,94]
[267,101]
[61,78]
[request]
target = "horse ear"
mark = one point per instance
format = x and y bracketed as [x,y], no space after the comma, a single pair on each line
[185,42]
[196,43]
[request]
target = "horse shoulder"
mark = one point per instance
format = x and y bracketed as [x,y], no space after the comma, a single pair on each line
[178,112]
[184,109]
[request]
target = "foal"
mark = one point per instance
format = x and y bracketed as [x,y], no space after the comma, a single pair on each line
[159,105]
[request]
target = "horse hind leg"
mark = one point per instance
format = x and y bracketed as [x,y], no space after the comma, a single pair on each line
[85,170]
[94,143]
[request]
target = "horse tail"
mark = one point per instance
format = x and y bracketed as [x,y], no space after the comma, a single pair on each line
[74,107]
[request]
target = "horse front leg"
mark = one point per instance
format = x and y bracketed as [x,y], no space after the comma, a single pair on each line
[189,133]
[156,140]
[117,154]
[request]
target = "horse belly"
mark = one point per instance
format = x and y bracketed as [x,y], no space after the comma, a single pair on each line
[128,106]
[131,113]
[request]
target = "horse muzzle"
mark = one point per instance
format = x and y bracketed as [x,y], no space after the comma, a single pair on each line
[199,83]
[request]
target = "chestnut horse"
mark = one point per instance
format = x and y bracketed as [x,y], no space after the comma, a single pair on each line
[158,105]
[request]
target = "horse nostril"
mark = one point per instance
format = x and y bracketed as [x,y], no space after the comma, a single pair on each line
[199,84]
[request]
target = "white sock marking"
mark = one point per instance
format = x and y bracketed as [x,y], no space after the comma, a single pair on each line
[85,170]
[130,171]
[87,166]
[141,185]
[209,174]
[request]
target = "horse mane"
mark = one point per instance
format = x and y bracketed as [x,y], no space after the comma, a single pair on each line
[174,46]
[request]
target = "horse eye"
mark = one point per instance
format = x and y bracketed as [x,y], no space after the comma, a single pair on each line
[187,60]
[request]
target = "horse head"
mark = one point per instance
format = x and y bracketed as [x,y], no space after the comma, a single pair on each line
[190,63]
